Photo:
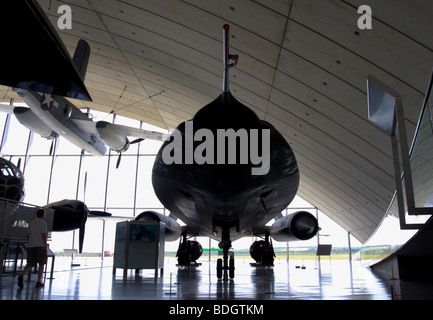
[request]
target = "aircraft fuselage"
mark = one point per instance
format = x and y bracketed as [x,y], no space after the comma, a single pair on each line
[226,200]
[56,112]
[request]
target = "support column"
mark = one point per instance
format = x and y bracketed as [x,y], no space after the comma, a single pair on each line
[349,246]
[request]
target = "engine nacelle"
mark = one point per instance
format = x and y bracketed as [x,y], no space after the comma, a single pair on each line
[112,136]
[173,230]
[32,122]
[297,226]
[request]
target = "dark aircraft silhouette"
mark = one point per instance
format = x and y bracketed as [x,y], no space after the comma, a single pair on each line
[70,215]
[218,197]
[11,181]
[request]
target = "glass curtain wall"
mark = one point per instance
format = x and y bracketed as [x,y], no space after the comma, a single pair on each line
[66,173]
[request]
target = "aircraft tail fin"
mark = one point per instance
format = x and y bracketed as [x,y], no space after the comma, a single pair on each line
[81,58]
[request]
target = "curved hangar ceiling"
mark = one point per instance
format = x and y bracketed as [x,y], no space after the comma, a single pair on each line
[303,67]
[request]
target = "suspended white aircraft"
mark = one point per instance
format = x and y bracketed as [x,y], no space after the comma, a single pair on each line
[51,115]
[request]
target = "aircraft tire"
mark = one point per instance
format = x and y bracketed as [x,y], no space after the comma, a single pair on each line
[232,268]
[219,268]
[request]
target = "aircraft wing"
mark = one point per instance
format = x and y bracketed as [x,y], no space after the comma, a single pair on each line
[92,127]
[88,126]
[46,65]
[141,133]
[6,108]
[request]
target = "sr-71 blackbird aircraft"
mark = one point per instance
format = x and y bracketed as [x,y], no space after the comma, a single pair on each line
[208,174]
[221,188]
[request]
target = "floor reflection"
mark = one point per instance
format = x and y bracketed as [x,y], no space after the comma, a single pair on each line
[295,280]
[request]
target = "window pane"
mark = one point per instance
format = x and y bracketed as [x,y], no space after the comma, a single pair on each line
[146,197]
[37,177]
[64,180]
[121,183]
[17,138]
[96,176]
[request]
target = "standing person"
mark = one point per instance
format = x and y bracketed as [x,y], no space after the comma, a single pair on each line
[36,247]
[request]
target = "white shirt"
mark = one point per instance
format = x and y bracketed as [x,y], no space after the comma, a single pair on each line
[36,228]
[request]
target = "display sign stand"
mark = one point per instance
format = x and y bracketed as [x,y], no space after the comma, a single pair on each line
[139,245]
[324,250]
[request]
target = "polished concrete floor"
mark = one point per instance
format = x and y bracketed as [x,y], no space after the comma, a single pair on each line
[295,280]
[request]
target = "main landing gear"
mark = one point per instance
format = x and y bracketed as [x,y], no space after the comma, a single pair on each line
[188,252]
[263,252]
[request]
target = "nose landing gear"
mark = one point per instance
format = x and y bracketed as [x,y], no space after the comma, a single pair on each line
[223,267]
[226,264]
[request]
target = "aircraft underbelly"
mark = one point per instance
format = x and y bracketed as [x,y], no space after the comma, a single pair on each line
[205,196]
[201,208]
